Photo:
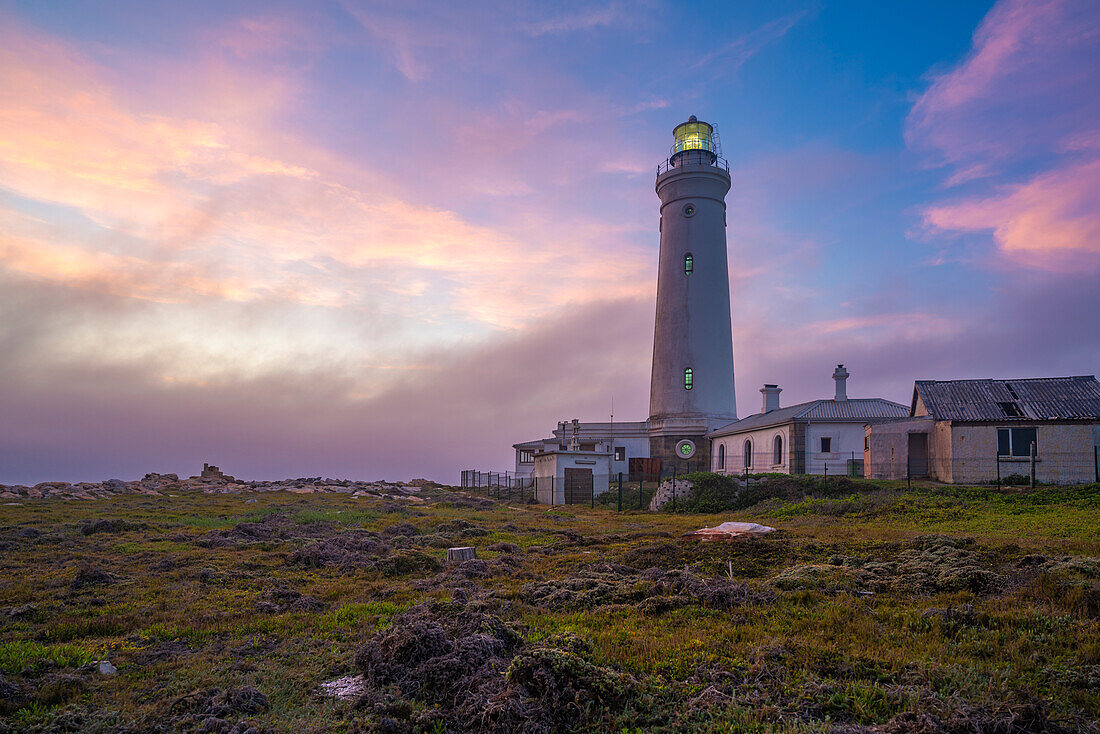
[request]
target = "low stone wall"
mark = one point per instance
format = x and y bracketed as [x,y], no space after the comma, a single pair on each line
[666,491]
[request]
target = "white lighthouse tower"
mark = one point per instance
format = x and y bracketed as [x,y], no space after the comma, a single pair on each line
[691,390]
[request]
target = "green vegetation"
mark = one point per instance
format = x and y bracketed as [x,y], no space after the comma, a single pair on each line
[951,608]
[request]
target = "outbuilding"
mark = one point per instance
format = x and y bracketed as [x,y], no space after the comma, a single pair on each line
[979,431]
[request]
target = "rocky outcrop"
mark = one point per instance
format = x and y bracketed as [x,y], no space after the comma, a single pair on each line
[169,484]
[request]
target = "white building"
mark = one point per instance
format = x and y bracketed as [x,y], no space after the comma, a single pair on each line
[809,438]
[621,441]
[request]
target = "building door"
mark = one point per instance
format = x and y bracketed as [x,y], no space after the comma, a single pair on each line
[643,469]
[578,486]
[918,454]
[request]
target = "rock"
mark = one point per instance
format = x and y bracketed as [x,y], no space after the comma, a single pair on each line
[115,485]
[667,491]
[24,610]
[465,553]
[105,668]
[728,531]
[347,688]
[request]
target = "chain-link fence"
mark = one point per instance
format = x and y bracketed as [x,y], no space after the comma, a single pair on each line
[635,491]
[1047,467]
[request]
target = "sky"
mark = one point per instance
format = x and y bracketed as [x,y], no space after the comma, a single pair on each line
[390,239]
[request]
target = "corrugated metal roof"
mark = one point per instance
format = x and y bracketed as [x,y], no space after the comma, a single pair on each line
[852,410]
[1043,398]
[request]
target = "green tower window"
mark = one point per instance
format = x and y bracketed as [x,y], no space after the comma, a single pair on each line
[689,263]
[689,378]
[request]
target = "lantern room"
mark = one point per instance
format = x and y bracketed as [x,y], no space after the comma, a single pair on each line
[694,135]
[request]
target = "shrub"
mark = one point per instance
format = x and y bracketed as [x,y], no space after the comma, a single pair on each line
[710,493]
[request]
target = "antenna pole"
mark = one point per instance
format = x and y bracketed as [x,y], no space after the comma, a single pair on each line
[611,465]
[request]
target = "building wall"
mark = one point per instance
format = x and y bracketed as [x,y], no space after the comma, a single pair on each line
[887,447]
[664,448]
[762,440]
[943,468]
[847,443]
[1064,453]
[801,448]
[967,453]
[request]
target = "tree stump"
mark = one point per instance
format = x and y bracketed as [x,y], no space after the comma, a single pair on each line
[461,554]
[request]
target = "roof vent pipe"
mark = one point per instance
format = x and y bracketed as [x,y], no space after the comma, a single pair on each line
[771,397]
[841,376]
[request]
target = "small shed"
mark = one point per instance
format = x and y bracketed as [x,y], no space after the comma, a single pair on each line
[571,477]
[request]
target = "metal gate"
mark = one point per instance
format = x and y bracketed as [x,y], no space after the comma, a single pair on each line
[578,486]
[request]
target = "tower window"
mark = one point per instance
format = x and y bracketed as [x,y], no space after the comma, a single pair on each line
[689,210]
[689,378]
[689,263]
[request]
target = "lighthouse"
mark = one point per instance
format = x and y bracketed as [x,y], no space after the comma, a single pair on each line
[691,386]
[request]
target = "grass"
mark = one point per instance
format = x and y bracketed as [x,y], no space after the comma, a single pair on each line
[184,609]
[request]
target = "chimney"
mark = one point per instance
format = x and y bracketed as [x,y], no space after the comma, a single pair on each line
[771,397]
[841,377]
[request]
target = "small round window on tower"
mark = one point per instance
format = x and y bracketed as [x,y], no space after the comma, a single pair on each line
[689,210]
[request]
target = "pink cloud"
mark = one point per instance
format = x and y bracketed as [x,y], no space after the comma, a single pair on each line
[1051,222]
[214,206]
[1022,113]
[1027,85]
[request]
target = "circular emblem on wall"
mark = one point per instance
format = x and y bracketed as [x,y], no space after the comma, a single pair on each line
[685,449]
[689,210]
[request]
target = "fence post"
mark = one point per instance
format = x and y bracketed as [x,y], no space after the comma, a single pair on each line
[553,499]
[825,480]
[1031,479]
[620,491]
[997,460]
[908,472]
[674,489]
[1096,463]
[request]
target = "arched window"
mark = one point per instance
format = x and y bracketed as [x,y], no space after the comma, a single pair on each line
[689,378]
[721,456]
[777,450]
[689,263]
[748,454]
